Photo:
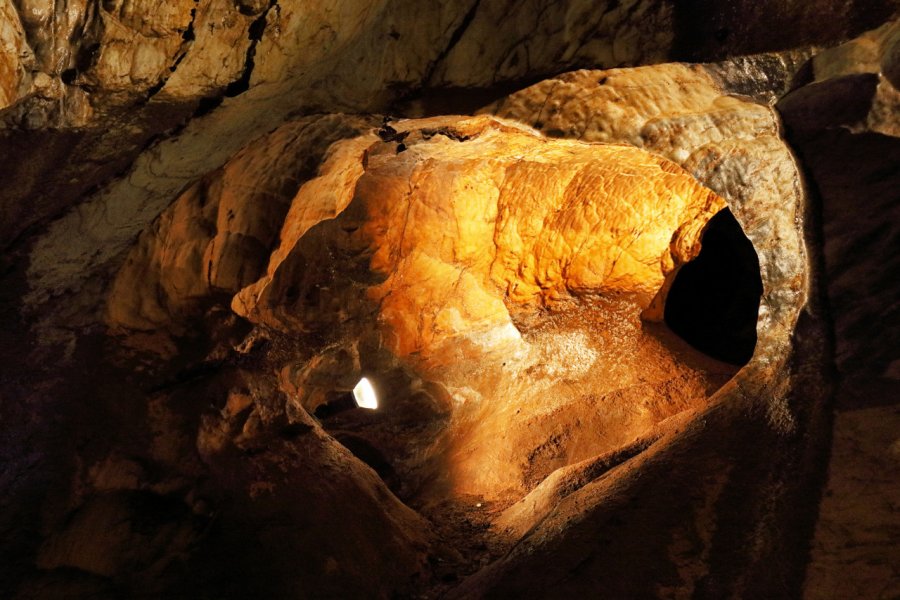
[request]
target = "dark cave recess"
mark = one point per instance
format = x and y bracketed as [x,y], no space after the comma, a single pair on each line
[714,300]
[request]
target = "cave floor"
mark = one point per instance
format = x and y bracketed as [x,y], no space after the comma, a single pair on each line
[572,382]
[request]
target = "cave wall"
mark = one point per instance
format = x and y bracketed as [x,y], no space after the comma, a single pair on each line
[154,153]
[116,78]
[843,125]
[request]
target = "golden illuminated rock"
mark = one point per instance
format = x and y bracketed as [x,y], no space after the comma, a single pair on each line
[188,175]
[463,245]
[474,214]
[216,237]
[215,74]
[15,55]
[497,286]
[732,145]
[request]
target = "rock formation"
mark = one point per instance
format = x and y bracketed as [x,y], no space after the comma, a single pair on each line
[631,322]
[842,121]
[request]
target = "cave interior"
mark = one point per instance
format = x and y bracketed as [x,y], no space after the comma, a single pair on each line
[473,299]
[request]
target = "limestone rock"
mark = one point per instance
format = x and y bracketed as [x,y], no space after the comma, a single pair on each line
[121,51]
[216,238]
[867,62]
[109,536]
[495,282]
[844,126]
[271,472]
[842,119]
[764,77]
[443,254]
[618,34]
[16,55]
[445,247]
[119,77]
[539,220]
[215,53]
[297,59]
[682,113]
[854,549]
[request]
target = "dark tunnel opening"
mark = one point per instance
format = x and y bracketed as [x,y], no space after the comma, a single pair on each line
[714,300]
[336,403]
[368,453]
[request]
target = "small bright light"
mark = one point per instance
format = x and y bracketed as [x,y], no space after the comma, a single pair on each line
[365,395]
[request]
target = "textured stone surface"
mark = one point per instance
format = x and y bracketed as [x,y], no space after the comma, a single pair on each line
[682,113]
[537,221]
[854,552]
[16,55]
[156,442]
[764,77]
[217,236]
[415,259]
[844,125]
[461,299]
[88,58]
[128,74]
[576,33]
[446,255]
[318,518]
[186,49]
[107,69]
[843,121]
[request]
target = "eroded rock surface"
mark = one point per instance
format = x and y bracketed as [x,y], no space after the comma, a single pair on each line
[446,255]
[843,120]
[257,252]
[537,221]
[682,113]
[115,78]
[480,274]
[216,238]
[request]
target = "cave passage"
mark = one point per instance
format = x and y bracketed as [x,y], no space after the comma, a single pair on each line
[714,300]
[337,402]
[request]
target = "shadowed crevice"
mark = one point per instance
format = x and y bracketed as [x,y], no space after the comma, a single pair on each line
[714,300]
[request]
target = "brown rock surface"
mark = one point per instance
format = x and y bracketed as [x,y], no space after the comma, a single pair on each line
[844,124]
[354,57]
[216,237]
[205,251]
[125,76]
[854,553]
[610,35]
[682,113]
[483,286]
[540,220]
[447,255]
[16,55]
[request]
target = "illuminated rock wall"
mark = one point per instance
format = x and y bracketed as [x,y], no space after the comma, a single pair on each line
[218,216]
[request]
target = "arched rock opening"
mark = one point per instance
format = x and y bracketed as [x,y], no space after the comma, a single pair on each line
[492,283]
[714,299]
[507,270]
